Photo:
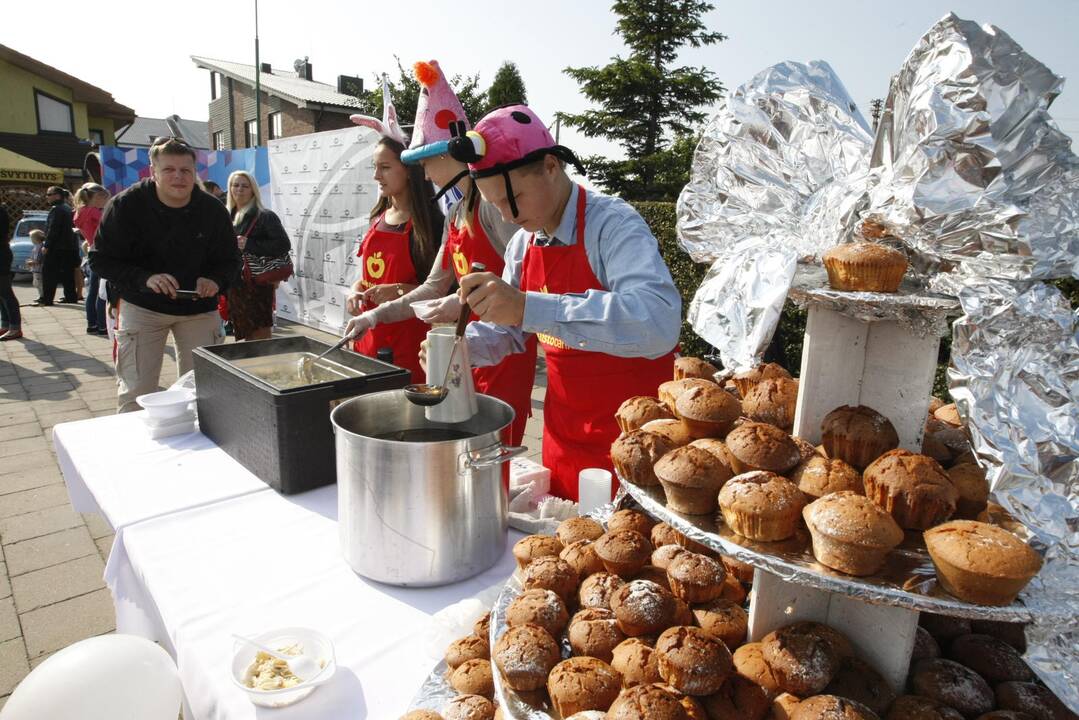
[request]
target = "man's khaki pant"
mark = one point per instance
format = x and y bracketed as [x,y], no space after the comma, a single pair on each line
[141,348]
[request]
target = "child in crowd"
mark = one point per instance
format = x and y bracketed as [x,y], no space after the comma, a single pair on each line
[37,257]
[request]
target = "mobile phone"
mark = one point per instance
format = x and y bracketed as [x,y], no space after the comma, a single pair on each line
[187,295]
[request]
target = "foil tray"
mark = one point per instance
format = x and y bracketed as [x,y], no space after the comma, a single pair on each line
[435,691]
[907,580]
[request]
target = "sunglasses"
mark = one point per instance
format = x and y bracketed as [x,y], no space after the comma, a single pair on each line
[170,138]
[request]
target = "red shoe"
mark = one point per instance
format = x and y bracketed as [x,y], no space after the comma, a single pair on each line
[11,335]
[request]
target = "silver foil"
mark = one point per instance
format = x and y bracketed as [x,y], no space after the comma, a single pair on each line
[436,690]
[1015,378]
[775,177]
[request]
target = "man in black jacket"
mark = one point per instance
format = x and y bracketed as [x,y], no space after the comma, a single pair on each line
[61,249]
[169,249]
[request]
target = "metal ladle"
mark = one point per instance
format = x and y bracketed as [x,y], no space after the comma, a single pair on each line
[429,395]
[304,364]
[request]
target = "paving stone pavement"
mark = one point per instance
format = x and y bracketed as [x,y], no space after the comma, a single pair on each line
[51,558]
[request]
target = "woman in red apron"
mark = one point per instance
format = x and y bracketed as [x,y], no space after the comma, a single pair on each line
[584,389]
[396,254]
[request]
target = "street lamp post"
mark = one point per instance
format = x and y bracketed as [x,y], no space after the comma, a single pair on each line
[258,83]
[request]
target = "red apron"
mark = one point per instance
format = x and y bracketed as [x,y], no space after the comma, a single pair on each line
[510,380]
[584,389]
[385,259]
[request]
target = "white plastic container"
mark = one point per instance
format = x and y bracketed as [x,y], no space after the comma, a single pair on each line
[313,643]
[165,404]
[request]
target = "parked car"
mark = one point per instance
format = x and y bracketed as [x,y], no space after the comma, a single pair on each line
[21,245]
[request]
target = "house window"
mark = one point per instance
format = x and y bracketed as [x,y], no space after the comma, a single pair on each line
[97,137]
[275,125]
[215,85]
[251,132]
[219,141]
[53,114]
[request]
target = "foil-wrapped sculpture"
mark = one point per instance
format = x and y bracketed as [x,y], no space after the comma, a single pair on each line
[970,171]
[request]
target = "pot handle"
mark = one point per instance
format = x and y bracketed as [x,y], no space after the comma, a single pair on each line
[488,456]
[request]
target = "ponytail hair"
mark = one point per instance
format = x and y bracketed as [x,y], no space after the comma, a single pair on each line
[86,193]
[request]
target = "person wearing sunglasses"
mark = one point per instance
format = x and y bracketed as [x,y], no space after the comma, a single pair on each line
[169,249]
[61,249]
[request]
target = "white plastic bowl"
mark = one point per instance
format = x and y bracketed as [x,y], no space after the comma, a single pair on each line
[313,642]
[165,404]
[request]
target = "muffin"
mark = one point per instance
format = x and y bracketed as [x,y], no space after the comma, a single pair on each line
[806,449]
[646,702]
[990,657]
[864,267]
[1012,633]
[482,627]
[663,534]
[538,607]
[969,481]
[636,411]
[857,435]
[914,707]
[469,707]
[594,632]
[473,677]
[1005,715]
[467,648]
[531,547]
[578,528]
[1035,700]
[738,699]
[783,706]
[802,660]
[757,446]
[724,619]
[831,707]
[913,489]
[582,683]
[642,608]
[691,477]
[634,454]
[631,520]
[981,563]
[925,646]
[953,685]
[850,534]
[719,449]
[859,681]
[693,661]
[663,556]
[670,391]
[995,514]
[749,662]
[551,573]
[581,556]
[421,715]
[819,476]
[623,552]
[696,578]
[635,660]
[741,571]
[761,506]
[772,401]
[692,706]
[949,414]
[733,590]
[745,381]
[525,655]
[672,429]
[691,367]
[597,589]
[652,573]
[707,411]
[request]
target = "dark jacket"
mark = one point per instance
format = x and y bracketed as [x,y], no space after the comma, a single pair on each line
[268,237]
[60,235]
[140,236]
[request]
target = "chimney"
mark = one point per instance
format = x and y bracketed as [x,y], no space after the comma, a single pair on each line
[350,85]
[264,68]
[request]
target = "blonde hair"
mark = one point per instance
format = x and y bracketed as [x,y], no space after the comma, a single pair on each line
[37,235]
[255,196]
[86,193]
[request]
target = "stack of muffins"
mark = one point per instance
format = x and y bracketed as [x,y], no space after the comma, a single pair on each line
[727,448]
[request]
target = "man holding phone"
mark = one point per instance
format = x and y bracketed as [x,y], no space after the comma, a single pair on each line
[169,249]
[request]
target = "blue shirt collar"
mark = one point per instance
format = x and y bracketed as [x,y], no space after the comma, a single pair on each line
[566,234]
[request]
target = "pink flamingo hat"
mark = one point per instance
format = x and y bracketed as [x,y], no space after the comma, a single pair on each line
[439,115]
[507,138]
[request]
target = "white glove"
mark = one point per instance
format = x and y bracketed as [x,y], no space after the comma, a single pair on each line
[440,310]
[359,325]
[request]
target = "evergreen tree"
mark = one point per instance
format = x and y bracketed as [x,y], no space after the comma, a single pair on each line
[406,93]
[648,104]
[506,89]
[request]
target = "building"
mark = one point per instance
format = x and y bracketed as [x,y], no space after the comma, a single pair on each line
[292,102]
[50,124]
[143,131]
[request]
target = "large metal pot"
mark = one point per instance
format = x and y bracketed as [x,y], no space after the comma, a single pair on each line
[420,512]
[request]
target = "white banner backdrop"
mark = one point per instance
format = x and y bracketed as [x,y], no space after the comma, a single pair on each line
[323,191]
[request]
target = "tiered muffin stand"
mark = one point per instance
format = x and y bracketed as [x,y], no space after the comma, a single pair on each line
[849,360]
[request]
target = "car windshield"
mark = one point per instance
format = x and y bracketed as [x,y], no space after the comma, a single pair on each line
[27,224]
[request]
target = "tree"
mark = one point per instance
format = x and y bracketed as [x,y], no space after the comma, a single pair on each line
[406,93]
[506,89]
[648,105]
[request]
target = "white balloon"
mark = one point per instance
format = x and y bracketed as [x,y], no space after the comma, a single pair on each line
[111,677]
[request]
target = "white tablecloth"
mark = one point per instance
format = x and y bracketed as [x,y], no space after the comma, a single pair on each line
[251,562]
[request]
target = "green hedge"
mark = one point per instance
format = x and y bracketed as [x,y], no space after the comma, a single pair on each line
[786,347]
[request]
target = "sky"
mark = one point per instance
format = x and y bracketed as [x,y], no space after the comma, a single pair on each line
[139,50]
